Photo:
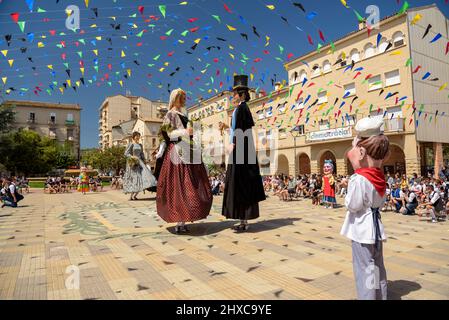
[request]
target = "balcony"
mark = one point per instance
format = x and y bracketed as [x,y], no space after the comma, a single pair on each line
[70,123]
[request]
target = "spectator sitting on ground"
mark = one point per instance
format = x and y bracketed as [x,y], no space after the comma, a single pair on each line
[409,202]
[396,197]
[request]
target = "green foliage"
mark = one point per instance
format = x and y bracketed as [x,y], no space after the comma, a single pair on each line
[105,160]
[6,117]
[25,152]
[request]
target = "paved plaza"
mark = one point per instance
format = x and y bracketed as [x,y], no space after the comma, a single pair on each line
[122,250]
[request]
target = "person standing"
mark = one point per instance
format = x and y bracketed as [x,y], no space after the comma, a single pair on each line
[243,184]
[137,175]
[366,195]
[329,185]
[183,191]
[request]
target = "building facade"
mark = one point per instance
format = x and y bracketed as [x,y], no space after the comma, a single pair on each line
[60,122]
[119,109]
[365,73]
[122,135]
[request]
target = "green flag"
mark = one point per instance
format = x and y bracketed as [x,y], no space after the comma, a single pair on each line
[404,8]
[21,25]
[162,9]
[409,62]
[359,17]
[217,18]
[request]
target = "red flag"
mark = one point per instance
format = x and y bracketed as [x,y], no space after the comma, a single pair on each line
[140,8]
[191,20]
[310,39]
[257,60]
[357,74]
[171,53]
[368,76]
[163,38]
[63,56]
[417,69]
[194,29]
[299,95]
[266,52]
[312,84]
[110,66]
[52,32]
[227,8]
[290,55]
[15,16]
[321,35]
[447,47]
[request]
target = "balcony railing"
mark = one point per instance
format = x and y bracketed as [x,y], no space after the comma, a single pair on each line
[70,122]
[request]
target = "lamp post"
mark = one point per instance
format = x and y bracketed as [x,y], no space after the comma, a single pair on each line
[295,134]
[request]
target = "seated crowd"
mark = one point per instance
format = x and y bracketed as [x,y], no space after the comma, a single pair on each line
[61,185]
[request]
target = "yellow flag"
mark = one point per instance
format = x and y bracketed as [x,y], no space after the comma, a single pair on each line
[61,89]
[86,2]
[50,66]
[268,41]
[11,61]
[416,19]
[166,64]
[78,83]
[113,18]
[395,53]
[40,45]
[231,28]
[4,79]
[161,69]
[343,2]
[231,47]
[93,26]
[98,38]
[442,87]
[69,82]
[184,3]
[95,51]
[121,83]
[4,52]
[129,72]
[232,56]
[197,40]
[69,12]
[82,71]
[271,7]
[251,77]
[123,54]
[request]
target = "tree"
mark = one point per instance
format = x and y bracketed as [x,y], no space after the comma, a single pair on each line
[25,152]
[105,160]
[7,115]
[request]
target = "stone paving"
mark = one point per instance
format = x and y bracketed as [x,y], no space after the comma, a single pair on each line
[122,250]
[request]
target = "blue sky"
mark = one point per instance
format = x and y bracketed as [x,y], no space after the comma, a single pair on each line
[38,73]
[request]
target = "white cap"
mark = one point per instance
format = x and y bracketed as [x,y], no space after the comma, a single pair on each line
[368,127]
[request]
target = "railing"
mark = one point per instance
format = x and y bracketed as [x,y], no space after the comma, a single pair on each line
[70,122]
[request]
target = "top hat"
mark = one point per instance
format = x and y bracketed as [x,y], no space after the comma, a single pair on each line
[240,82]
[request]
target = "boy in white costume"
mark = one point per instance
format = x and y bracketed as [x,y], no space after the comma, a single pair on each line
[365,197]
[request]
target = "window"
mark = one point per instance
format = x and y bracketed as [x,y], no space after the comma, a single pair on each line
[327,66]
[70,117]
[301,130]
[282,108]
[383,44]
[398,39]
[70,134]
[374,83]
[350,88]
[324,124]
[392,78]
[53,117]
[269,112]
[153,142]
[52,133]
[369,51]
[299,104]
[343,62]
[32,117]
[351,120]
[322,97]
[355,55]
[294,78]
[394,120]
[316,71]
[282,133]
[302,76]
[260,115]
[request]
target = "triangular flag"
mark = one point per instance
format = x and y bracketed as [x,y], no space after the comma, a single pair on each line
[40,10]
[4,79]
[123,54]
[50,66]
[404,8]
[15,16]
[162,9]
[11,61]
[86,2]
[4,52]
[30,4]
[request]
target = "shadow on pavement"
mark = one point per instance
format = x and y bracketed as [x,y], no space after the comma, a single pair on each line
[400,288]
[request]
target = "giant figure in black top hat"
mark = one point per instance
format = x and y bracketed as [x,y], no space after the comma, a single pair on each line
[243,184]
